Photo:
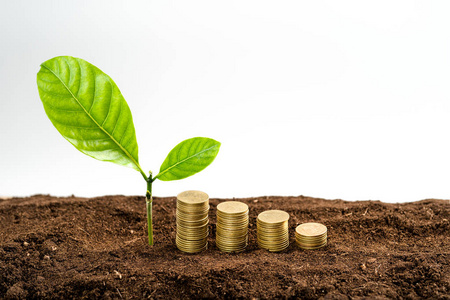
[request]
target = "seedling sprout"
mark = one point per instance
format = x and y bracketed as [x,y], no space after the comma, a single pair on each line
[87,108]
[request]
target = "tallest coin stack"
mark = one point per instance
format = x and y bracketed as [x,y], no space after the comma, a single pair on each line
[192,221]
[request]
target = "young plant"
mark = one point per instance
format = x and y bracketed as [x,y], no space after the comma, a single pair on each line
[88,110]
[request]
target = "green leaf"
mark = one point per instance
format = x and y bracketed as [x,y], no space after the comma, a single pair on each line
[187,158]
[87,108]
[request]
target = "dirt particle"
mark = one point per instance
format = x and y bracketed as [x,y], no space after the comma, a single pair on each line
[49,246]
[46,257]
[11,246]
[26,244]
[117,275]
[16,292]
[363,267]
[371,260]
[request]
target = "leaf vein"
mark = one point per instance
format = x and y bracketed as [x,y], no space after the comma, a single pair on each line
[95,94]
[110,104]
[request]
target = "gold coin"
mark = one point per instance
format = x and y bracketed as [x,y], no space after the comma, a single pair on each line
[232,208]
[284,226]
[192,210]
[232,228]
[191,241]
[193,198]
[191,245]
[181,224]
[231,233]
[269,230]
[311,229]
[192,250]
[199,231]
[234,234]
[193,236]
[192,218]
[273,217]
[271,233]
[192,230]
[318,241]
[281,237]
[232,240]
[231,246]
[274,248]
[223,222]
[232,216]
[190,224]
[310,237]
[194,215]
[312,247]
[182,241]
[315,243]
[230,224]
[280,244]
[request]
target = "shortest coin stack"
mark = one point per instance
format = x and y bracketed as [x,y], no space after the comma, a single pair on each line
[192,221]
[232,226]
[311,235]
[273,230]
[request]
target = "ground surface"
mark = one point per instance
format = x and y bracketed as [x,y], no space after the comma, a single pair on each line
[96,248]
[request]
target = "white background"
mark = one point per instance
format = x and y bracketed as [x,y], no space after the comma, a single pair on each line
[333,99]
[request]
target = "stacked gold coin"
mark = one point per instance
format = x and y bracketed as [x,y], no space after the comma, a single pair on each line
[273,230]
[232,226]
[311,235]
[192,221]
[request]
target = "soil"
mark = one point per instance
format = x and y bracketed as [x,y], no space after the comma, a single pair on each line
[96,248]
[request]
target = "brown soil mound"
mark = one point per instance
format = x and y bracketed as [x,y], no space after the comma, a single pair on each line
[96,248]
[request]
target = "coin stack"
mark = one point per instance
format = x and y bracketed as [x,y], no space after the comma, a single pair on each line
[192,221]
[311,235]
[232,226]
[273,230]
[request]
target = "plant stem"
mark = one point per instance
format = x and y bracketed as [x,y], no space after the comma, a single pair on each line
[149,202]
